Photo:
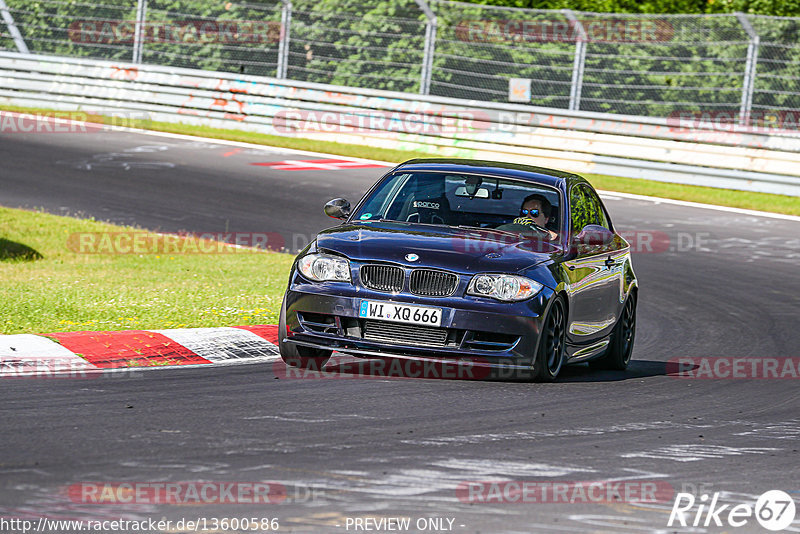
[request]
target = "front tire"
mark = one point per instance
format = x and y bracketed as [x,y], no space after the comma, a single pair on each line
[619,352]
[552,344]
[296,356]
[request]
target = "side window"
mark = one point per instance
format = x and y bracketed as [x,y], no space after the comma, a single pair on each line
[585,208]
[601,217]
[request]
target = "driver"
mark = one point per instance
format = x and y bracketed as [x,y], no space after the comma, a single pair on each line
[535,212]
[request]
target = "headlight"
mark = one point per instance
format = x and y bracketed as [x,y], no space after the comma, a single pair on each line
[321,267]
[506,287]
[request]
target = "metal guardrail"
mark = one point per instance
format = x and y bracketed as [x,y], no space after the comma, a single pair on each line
[577,141]
[639,64]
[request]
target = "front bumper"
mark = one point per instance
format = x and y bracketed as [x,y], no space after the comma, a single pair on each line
[478,330]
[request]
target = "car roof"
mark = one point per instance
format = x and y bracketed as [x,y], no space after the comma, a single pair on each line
[551,177]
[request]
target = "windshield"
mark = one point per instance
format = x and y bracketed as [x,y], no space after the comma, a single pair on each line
[465,200]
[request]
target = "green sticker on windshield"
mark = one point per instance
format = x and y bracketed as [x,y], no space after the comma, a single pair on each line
[366,216]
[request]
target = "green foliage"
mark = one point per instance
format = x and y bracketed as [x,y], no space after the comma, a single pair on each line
[781,8]
[369,43]
[54,27]
[694,62]
[222,36]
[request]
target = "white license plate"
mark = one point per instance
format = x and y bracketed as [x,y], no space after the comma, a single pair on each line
[400,313]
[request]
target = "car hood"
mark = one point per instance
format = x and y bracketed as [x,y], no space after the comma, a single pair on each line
[451,248]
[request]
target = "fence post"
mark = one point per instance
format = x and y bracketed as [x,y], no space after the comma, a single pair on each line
[138,32]
[577,63]
[12,28]
[748,84]
[283,44]
[428,50]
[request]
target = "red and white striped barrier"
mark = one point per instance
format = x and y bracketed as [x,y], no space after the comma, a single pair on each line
[85,352]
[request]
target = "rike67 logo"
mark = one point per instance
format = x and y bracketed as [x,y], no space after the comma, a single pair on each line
[774,510]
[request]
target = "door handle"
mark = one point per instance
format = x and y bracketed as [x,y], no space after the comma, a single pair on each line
[610,262]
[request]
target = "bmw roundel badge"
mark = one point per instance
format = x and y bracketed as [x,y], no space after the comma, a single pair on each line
[412,257]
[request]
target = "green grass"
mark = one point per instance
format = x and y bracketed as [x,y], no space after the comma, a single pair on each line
[709,195]
[47,287]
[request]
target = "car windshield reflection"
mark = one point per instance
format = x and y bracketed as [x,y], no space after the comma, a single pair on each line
[466,201]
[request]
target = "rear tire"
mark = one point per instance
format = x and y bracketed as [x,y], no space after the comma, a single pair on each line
[552,344]
[618,354]
[297,356]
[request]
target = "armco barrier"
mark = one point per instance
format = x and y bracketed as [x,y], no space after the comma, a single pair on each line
[582,142]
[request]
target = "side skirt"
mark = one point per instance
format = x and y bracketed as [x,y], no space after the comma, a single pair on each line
[587,353]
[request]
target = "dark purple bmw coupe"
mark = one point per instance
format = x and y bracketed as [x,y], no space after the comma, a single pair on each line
[509,267]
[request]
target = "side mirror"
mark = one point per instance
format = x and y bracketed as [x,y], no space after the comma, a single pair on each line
[593,235]
[338,208]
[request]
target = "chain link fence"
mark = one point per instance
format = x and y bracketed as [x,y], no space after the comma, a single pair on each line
[744,68]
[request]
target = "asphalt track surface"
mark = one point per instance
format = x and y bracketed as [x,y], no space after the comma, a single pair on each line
[726,285]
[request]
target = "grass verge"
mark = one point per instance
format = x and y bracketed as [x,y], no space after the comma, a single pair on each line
[708,195]
[45,286]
